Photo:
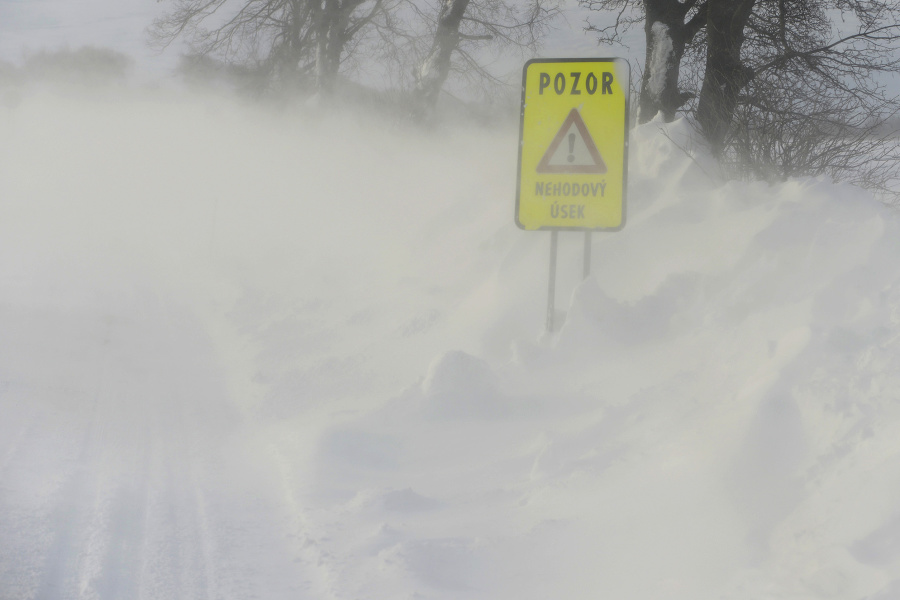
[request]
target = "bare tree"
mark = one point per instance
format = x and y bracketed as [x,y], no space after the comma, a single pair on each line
[788,86]
[760,51]
[669,28]
[462,27]
[305,40]
[813,133]
[814,100]
[436,65]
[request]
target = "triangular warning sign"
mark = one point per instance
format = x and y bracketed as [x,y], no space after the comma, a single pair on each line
[572,150]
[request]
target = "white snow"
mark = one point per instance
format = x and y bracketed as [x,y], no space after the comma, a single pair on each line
[255,355]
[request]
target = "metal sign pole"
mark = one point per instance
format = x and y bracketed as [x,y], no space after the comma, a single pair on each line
[587,254]
[551,287]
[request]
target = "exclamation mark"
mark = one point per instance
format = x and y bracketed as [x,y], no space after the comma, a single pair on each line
[571,147]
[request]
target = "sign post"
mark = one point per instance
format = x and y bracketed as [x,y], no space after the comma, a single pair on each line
[573,150]
[551,287]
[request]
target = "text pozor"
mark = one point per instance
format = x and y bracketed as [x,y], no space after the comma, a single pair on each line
[574,84]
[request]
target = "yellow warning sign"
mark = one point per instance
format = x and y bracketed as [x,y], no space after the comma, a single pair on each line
[573,145]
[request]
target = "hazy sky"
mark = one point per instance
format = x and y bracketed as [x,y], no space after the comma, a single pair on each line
[29,25]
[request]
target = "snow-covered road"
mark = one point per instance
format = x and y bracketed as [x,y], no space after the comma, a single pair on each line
[127,470]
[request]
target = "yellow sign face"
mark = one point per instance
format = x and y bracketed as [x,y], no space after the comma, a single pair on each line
[573,144]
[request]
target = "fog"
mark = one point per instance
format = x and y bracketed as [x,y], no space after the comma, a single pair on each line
[182,273]
[257,351]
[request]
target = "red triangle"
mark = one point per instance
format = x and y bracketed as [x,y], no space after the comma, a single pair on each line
[598,167]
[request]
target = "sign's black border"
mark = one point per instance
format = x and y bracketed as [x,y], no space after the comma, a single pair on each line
[627,90]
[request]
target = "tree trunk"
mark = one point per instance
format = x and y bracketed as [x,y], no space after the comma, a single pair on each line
[665,48]
[326,65]
[667,35]
[725,74]
[287,56]
[433,72]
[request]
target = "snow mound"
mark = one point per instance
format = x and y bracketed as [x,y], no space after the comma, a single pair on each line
[460,385]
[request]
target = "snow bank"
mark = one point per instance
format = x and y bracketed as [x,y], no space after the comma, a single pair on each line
[256,356]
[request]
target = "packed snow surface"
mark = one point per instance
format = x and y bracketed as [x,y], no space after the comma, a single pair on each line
[249,354]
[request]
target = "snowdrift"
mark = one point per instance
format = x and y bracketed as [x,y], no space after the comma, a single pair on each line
[252,355]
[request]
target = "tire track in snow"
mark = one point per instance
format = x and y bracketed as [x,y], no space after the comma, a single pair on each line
[175,546]
[16,440]
[31,504]
[154,536]
[62,493]
[141,482]
[71,507]
[111,561]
